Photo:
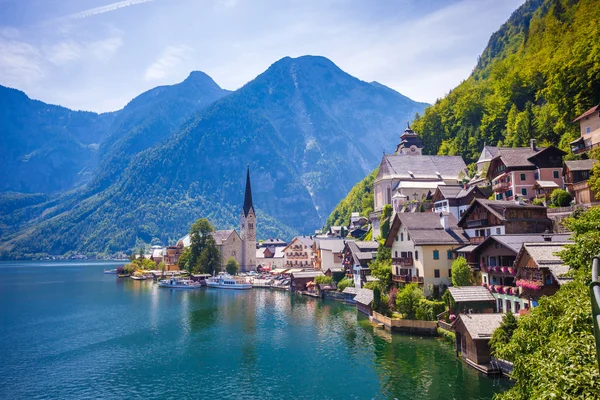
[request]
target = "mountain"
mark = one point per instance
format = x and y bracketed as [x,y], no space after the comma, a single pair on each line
[537,73]
[45,148]
[308,130]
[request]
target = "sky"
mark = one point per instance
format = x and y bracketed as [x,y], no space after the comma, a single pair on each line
[97,55]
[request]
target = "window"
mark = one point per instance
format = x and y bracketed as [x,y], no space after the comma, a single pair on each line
[436,255]
[536,176]
[396,238]
[588,130]
[402,237]
[523,176]
[436,273]
[499,196]
[524,191]
[449,272]
[548,279]
[509,193]
[396,254]
[449,254]
[498,230]
[416,255]
[555,174]
[484,279]
[407,235]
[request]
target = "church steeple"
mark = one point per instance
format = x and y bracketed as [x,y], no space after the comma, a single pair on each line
[248,196]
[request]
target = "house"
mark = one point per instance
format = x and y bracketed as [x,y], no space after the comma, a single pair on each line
[300,280]
[455,199]
[409,176]
[422,246]
[473,333]
[270,257]
[299,253]
[495,258]
[576,175]
[359,226]
[484,218]
[589,130]
[349,293]
[472,299]
[171,258]
[483,163]
[157,254]
[540,271]
[364,300]
[329,254]
[272,242]
[515,171]
[356,259]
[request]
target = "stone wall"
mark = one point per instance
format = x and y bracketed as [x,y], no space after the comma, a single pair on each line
[406,325]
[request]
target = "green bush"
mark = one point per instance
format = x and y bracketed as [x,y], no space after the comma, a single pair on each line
[344,283]
[560,198]
[462,275]
[427,310]
[448,336]
[323,280]
[407,300]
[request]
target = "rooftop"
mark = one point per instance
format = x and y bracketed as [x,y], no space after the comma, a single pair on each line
[480,326]
[421,167]
[588,113]
[364,296]
[425,228]
[580,165]
[307,274]
[515,242]
[470,294]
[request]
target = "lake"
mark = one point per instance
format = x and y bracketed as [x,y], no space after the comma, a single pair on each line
[69,331]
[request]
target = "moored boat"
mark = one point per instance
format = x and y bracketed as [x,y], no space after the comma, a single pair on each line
[228,282]
[111,271]
[142,277]
[179,283]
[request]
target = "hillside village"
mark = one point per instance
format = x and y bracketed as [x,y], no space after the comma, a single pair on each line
[427,214]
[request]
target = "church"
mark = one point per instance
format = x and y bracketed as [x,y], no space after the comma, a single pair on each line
[248,230]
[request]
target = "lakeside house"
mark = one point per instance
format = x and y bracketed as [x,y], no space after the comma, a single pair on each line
[270,257]
[299,252]
[473,333]
[299,280]
[422,246]
[364,301]
[526,171]
[576,175]
[495,259]
[540,271]
[356,259]
[589,131]
[329,255]
[472,299]
[408,176]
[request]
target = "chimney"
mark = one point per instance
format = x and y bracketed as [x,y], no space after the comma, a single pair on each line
[532,144]
[547,236]
[444,221]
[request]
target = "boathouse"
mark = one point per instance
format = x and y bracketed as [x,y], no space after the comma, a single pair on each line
[473,334]
[364,299]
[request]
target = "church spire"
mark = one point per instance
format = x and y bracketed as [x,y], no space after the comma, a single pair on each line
[248,196]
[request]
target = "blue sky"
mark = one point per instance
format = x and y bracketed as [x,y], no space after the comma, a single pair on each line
[98,54]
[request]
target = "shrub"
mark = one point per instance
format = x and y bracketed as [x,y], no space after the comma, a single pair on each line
[504,333]
[462,275]
[448,336]
[231,266]
[323,280]
[407,300]
[427,310]
[344,283]
[560,198]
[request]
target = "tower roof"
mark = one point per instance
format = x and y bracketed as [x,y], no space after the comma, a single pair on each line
[248,196]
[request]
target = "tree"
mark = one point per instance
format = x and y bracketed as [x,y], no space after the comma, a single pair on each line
[560,198]
[505,331]
[344,283]
[407,300]
[376,298]
[594,181]
[384,220]
[184,262]
[209,261]
[231,266]
[199,233]
[323,280]
[461,273]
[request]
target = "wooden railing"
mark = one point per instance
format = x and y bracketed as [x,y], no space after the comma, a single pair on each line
[477,222]
[407,279]
[402,261]
[477,239]
[501,186]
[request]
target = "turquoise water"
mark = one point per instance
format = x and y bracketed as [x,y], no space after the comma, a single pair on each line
[69,331]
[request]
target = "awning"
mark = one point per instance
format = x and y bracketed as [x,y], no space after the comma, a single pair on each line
[577,141]
[545,185]
[291,271]
[278,271]
[467,249]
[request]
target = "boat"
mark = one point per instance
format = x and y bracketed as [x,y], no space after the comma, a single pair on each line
[142,277]
[111,271]
[179,283]
[228,282]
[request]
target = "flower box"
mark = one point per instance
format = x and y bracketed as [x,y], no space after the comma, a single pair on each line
[531,285]
[512,270]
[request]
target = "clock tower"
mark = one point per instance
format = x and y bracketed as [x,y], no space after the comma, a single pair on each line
[410,143]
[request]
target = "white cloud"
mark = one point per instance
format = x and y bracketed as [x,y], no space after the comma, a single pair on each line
[20,63]
[105,9]
[170,58]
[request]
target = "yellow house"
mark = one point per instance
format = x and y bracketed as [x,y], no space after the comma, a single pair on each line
[422,245]
[589,130]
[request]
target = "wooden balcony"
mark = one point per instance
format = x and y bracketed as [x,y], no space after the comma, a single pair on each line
[477,239]
[402,261]
[501,187]
[407,279]
[474,223]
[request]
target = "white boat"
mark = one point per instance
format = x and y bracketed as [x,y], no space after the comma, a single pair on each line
[179,283]
[142,277]
[110,271]
[227,282]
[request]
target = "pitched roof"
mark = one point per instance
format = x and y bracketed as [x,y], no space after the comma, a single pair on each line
[514,242]
[307,274]
[364,296]
[546,185]
[587,113]
[521,156]
[544,253]
[425,228]
[497,207]
[221,236]
[368,245]
[470,294]
[421,167]
[273,242]
[580,165]
[487,153]
[480,326]
[455,191]
[351,290]
[248,195]
[333,245]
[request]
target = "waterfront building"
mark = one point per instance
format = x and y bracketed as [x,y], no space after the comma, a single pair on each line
[495,258]
[473,334]
[455,199]
[515,171]
[540,271]
[472,299]
[576,175]
[248,229]
[589,131]
[299,253]
[329,254]
[408,176]
[422,246]
[364,301]
[299,280]
[270,257]
[356,258]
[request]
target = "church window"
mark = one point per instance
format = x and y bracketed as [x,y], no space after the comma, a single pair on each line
[250,226]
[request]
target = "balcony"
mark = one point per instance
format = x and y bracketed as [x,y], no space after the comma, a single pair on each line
[477,239]
[476,223]
[407,279]
[501,187]
[402,261]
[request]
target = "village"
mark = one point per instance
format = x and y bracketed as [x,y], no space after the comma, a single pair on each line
[504,223]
